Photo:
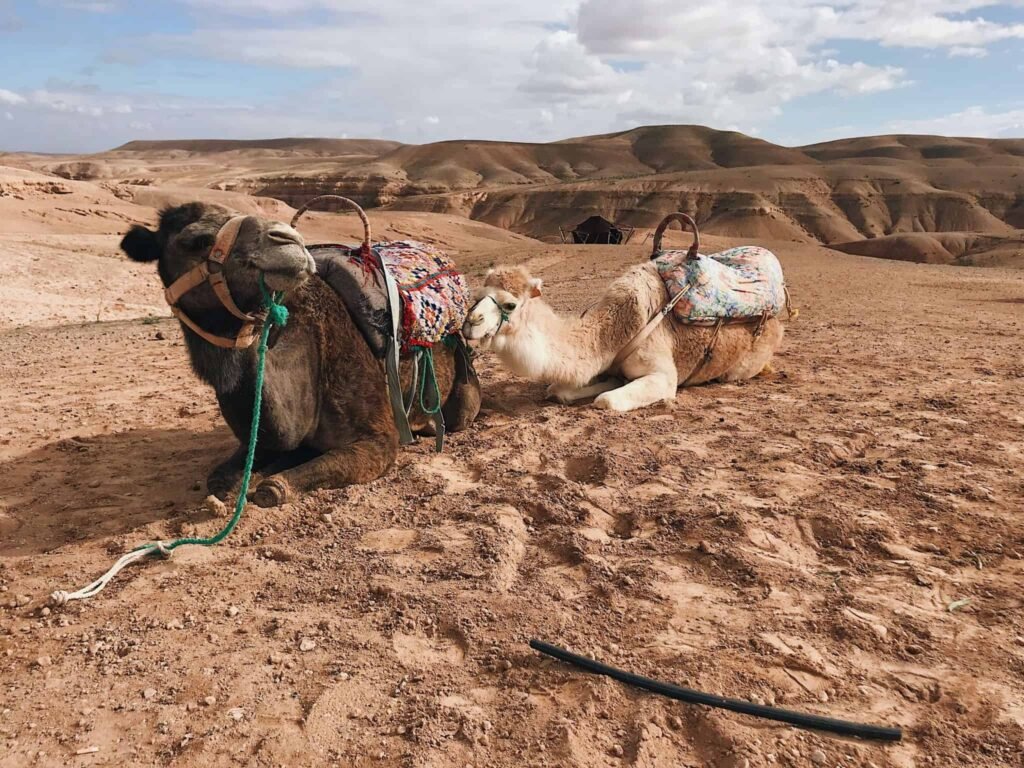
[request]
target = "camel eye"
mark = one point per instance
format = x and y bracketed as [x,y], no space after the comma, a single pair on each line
[509,306]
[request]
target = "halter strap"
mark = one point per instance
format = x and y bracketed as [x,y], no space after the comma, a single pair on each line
[211,270]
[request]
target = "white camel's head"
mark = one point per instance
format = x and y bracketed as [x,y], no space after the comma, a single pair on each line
[498,304]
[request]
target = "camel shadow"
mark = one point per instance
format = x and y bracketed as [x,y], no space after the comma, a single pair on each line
[87,488]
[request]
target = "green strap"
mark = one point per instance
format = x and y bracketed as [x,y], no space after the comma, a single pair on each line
[425,359]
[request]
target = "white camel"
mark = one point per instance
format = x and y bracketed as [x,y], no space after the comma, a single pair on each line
[582,357]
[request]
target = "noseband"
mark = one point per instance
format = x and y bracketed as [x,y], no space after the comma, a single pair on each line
[504,315]
[211,270]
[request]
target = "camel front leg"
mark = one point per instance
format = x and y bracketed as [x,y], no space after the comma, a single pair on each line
[646,390]
[225,478]
[567,395]
[360,462]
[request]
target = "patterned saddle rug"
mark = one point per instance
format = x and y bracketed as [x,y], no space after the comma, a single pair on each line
[433,297]
[738,284]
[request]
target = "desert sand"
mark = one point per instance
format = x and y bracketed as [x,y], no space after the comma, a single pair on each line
[844,537]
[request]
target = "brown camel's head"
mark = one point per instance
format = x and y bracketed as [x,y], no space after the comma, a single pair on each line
[183,240]
[505,292]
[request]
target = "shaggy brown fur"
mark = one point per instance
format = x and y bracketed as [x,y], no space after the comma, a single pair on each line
[326,420]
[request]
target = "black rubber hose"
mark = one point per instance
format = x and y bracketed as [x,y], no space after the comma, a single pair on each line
[799,719]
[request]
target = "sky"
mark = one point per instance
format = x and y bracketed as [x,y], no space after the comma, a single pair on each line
[83,76]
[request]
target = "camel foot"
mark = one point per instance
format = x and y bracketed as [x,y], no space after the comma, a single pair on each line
[768,371]
[567,395]
[272,492]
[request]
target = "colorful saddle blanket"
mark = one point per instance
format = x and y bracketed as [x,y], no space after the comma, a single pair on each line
[739,283]
[433,295]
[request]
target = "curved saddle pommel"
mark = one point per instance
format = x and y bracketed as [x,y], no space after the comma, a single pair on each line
[685,221]
[345,203]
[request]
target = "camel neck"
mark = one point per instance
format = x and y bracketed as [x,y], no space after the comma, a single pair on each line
[541,344]
[222,369]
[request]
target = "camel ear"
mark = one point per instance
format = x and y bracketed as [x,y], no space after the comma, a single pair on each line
[535,284]
[141,244]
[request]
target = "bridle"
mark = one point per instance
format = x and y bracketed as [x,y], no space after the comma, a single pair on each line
[211,270]
[505,318]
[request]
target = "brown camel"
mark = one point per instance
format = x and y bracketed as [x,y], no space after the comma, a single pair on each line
[326,419]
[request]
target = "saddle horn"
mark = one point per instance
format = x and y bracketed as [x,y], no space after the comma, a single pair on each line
[685,221]
[346,203]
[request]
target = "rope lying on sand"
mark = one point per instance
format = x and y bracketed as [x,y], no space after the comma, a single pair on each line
[277,315]
[799,719]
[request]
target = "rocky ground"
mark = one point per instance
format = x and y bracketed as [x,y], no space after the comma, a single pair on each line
[844,538]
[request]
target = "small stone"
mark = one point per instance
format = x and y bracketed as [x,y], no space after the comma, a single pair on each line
[675,723]
[1019,639]
[149,693]
[215,506]
[915,649]
[327,518]
[43,661]
[818,757]
[159,336]
[23,600]
[213,637]
[175,624]
[616,750]
[823,697]
[236,713]
[400,730]
[233,611]
[307,645]
[705,547]
[504,665]
[276,658]
[209,701]
[45,612]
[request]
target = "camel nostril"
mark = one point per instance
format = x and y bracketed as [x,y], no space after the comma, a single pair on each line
[285,237]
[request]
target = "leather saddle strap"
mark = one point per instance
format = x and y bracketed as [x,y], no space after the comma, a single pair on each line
[245,338]
[394,347]
[645,332]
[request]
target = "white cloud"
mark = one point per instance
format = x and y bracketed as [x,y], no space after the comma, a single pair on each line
[973,121]
[968,51]
[722,61]
[529,69]
[11,98]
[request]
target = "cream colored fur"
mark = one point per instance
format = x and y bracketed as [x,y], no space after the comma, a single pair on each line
[574,355]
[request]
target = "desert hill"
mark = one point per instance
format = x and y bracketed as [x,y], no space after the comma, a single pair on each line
[834,193]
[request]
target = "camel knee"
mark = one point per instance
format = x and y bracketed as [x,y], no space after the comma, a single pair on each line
[640,392]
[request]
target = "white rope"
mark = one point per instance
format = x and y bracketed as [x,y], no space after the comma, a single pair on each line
[62,598]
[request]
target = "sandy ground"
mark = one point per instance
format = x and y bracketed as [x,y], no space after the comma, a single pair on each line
[800,539]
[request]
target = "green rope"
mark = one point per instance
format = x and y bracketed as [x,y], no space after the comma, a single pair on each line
[426,355]
[277,314]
